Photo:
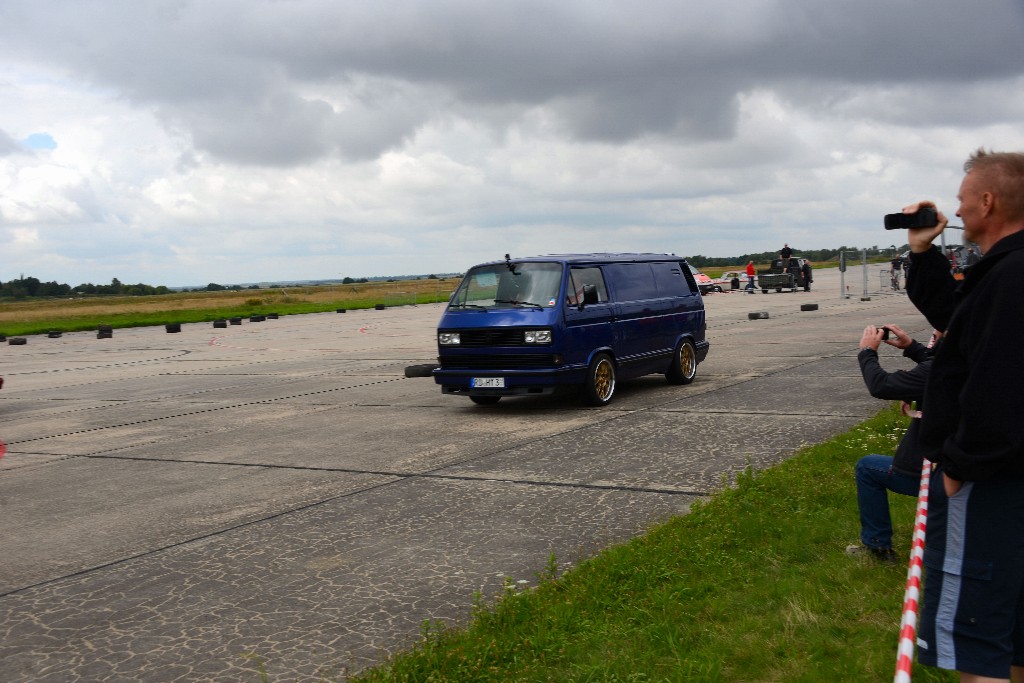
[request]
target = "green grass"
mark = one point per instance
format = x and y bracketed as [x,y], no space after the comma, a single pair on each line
[83,314]
[751,585]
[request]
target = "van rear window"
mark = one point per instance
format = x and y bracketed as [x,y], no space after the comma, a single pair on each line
[670,279]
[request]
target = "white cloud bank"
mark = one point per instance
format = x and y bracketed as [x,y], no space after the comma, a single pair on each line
[235,141]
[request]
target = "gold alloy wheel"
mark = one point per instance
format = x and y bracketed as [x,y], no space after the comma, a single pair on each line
[687,360]
[604,379]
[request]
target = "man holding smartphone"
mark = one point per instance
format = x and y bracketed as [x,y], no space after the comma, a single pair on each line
[972,617]
[876,475]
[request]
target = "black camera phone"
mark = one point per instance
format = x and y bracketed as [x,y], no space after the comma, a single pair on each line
[885,332]
[926,217]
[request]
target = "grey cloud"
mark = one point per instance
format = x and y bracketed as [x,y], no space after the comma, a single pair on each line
[234,74]
[8,145]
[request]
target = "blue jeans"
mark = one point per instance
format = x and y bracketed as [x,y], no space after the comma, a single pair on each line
[875,478]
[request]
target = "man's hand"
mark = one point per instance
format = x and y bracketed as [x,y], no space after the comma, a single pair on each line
[872,337]
[897,337]
[952,486]
[920,239]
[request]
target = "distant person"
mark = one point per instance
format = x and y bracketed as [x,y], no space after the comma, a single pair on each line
[972,612]
[785,254]
[750,276]
[895,268]
[805,272]
[876,475]
[971,258]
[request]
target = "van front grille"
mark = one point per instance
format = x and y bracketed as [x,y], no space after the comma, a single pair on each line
[496,336]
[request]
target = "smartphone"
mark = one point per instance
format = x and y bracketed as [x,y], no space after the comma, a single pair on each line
[926,217]
[885,332]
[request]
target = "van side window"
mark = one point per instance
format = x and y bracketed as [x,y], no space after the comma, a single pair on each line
[633,281]
[670,279]
[578,277]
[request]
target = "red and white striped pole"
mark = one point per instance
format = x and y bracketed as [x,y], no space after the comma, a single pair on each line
[911,597]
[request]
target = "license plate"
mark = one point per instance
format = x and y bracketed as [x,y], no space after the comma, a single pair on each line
[487,382]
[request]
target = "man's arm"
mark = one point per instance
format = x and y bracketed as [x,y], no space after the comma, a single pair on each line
[931,287]
[890,386]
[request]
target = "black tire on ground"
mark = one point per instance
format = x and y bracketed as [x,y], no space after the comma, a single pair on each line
[54,334]
[423,370]
[600,383]
[379,307]
[684,364]
[340,310]
[173,327]
[758,315]
[808,307]
[17,341]
[220,323]
[235,321]
[485,400]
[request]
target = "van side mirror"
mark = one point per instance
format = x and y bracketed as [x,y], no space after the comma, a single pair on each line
[589,296]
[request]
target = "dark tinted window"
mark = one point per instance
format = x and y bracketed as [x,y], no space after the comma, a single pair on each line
[632,281]
[670,279]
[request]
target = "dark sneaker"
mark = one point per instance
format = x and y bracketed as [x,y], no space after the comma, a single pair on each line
[883,555]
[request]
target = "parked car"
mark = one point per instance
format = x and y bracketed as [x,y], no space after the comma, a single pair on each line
[527,326]
[725,281]
[705,284]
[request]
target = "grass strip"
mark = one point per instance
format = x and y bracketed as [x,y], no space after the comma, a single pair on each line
[752,585]
[87,313]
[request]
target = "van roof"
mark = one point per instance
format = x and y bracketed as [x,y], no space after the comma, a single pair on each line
[593,258]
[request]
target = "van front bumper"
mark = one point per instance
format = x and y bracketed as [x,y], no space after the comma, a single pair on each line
[459,381]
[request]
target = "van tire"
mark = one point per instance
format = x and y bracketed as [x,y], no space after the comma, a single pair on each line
[485,400]
[600,384]
[684,364]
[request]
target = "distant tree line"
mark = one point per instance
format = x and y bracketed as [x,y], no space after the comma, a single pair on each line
[29,287]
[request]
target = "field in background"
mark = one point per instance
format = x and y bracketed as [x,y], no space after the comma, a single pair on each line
[38,316]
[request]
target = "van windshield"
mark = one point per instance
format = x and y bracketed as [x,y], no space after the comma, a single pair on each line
[512,285]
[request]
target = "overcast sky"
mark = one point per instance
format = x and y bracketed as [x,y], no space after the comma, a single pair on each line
[182,142]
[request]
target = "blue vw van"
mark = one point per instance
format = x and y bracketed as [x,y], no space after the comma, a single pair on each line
[527,326]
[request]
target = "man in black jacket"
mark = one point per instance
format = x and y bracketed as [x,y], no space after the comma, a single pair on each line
[972,617]
[878,474]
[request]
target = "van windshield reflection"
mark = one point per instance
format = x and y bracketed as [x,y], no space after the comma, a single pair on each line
[514,285]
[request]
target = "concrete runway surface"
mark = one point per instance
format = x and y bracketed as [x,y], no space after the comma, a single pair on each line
[172,501]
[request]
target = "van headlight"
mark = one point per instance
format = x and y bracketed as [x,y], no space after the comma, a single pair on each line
[537,336]
[448,338]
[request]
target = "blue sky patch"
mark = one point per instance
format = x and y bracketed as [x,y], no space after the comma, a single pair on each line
[40,141]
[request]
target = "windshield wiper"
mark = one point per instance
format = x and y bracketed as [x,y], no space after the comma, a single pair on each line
[517,303]
[467,306]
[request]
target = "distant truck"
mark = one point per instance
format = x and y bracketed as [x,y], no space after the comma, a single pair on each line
[779,278]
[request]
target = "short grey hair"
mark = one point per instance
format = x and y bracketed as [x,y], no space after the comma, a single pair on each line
[1004,173]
